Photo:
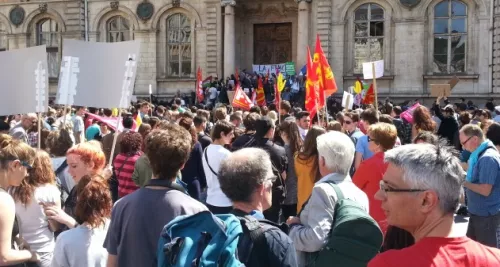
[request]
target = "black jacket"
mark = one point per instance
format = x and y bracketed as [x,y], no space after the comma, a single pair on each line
[449,126]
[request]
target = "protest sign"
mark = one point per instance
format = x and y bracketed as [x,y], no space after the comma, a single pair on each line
[104,72]
[23,73]
[287,68]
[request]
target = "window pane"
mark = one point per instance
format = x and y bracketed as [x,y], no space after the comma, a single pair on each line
[440,64]
[361,54]
[173,52]
[186,52]
[377,28]
[441,26]
[377,12]
[173,21]
[376,49]
[113,24]
[458,25]
[126,35]
[360,29]
[186,68]
[458,9]
[441,9]
[124,25]
[458,44]
[458,63]
[53,64]
[361,13]
[173,68]
[441,45]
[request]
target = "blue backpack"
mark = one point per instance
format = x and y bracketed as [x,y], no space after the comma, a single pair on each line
[202,239]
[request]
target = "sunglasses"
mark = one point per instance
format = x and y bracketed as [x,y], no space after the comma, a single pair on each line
[24,164]
[347,122]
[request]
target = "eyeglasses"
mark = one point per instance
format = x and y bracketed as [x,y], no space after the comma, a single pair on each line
[385,189]
[347,122]
[463,144]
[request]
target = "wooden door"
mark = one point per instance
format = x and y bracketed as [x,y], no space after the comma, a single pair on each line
[272,43]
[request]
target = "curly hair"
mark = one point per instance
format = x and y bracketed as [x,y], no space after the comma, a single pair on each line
[131,142]
[41,173]
[94,204]
[59,142]
[422,119]
[167,150]
[90,152]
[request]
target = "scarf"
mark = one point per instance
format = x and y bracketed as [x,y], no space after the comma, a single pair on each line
[474,158]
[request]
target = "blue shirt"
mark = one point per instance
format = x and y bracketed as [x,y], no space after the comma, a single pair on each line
[91,132]
[486,171]
[362,147]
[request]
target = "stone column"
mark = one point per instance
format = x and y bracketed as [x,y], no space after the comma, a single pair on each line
[302,32]
[229,38]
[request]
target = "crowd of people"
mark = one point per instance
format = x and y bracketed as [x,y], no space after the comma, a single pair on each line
[83,200]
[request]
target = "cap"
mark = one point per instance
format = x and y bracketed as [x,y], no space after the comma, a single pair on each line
[449,108]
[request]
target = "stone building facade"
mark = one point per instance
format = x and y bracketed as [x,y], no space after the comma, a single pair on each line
[422,42]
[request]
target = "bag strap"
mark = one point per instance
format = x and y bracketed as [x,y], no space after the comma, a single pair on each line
[339,193]
[208,164]
[61,167]
[121,167]
[253,237]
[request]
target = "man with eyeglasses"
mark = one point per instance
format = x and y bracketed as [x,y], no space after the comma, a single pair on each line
[482,186]
[246,178]
[19,131]
[420,192]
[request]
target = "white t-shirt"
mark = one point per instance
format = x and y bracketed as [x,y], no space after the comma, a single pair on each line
[33,224]
[215,155]
[213,92]
[81,247]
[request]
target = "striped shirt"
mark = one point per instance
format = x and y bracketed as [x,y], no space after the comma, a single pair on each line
[124,174]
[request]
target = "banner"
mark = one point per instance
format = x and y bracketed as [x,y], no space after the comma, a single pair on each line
[111,122]
[25,81]
[288,68]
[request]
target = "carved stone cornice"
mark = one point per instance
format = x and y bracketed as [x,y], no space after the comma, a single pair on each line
[307,1]
[114,5]
[268,9]
[42,7]
[228,3]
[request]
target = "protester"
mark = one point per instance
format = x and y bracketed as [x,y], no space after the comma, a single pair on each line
[107,141]
[58,143]
[130,151]
[16,157]
[304,122]
[78,125]
[38,187]
[93,130]
[82,246]
[249,122]
[381,138]
[247,178]
[422,121]
[19,130]
[290,134]
[368,117]
[309,231]
[420,192]
[222,135]
[493,134]
[482,186]
[306,166]
[193,173]
[136,220]
[449,126]
[200,123]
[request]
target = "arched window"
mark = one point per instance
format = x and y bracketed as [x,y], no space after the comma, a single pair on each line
[3,37]
[118,30]
[47,33]
[368,35]
[178,45]
[450,37]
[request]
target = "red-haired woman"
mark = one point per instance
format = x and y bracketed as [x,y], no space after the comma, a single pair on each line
[82,246]
[38,187]
[83,159]
[124,162]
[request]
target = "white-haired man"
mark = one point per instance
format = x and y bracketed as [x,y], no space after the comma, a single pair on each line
[20,130]
[420,192]
[310,231]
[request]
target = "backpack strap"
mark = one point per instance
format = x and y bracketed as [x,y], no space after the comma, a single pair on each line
[253,237]
[208,164]
[340,195]
[62,167]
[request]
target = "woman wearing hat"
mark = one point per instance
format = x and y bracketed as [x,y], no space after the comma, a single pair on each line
[449,125]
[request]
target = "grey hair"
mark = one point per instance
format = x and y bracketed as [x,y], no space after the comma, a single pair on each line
[430,167]
[338,151]
[243,171]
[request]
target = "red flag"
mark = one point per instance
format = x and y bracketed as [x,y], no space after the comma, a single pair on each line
[241,99]
[312,86]
[261,97]
[237,77]
[199,86]
[369,96]
[325,75]
[277,96]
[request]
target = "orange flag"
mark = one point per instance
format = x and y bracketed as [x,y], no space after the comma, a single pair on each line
[369,96]
[325,75]
[241,99]
[261,97]
[199,86]
[312,86]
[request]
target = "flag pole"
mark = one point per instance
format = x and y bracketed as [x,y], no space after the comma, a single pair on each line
[325,108]
[39,130]
[115,137]
[375,86]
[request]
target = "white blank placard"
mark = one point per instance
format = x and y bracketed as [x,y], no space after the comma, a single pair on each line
[368,72]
